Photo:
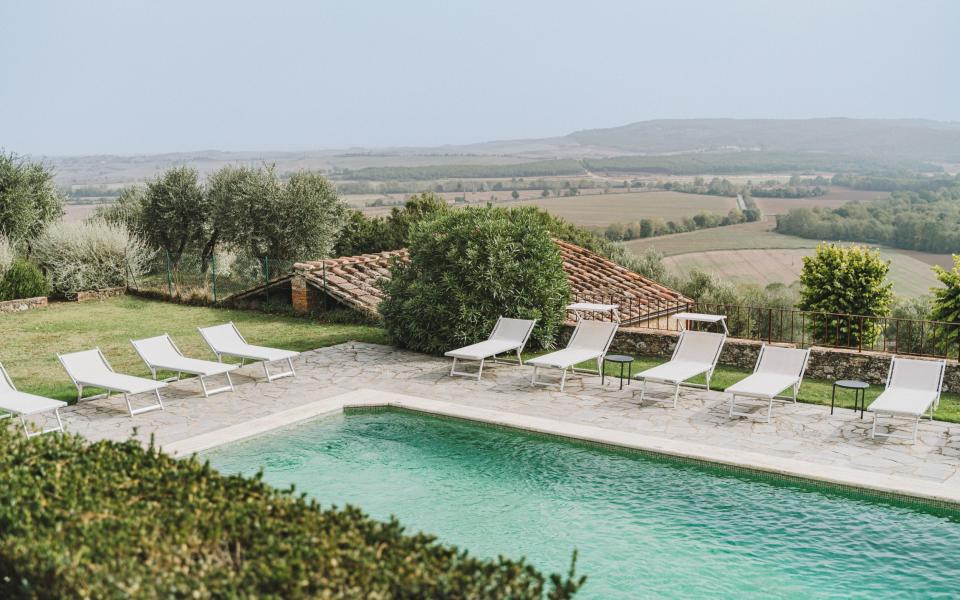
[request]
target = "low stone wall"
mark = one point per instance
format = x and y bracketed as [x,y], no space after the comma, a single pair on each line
[14,306]
[825,363]
[91,295]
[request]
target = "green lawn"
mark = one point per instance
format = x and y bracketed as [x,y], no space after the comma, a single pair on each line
[32,339]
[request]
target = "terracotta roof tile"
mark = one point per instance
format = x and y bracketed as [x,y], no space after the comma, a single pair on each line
[352,281]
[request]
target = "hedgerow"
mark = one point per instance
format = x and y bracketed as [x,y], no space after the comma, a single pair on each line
[116,520]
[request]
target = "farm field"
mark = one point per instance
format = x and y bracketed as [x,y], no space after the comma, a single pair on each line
[836,198]
[601,210]
[910,276]
[733,237]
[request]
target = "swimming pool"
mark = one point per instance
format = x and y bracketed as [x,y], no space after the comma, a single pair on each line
[644,527]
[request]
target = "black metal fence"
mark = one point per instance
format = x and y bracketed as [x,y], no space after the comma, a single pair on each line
[803,328]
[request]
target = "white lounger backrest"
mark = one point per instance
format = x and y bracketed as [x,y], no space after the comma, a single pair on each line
[702,347]
[595,336]
[83,365]
[512,330]
[782,361]
[915,374]
[222,337]
[157,350]
[6,384]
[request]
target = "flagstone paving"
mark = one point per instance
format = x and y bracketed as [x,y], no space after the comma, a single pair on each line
[798,431]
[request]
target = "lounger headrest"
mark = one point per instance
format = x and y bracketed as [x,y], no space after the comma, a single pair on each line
[156,348]
[916,374]
[699,346]
[514,330]
[84,363]
[783,361]
[221,336]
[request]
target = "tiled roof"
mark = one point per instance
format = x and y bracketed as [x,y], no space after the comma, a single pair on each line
[352,281]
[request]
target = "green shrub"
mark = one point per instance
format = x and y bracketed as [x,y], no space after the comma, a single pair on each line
[468,267]
[23,279]
[90,255]
[115,520]
[845,280]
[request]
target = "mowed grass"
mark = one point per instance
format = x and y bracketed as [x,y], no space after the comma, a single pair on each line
[910,277]
[32,339]
[600,210]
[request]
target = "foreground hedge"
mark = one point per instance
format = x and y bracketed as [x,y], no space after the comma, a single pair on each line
[114,520]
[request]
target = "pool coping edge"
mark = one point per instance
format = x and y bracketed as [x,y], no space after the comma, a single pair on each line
[938,492]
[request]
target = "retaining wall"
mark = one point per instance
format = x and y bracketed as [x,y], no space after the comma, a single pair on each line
[14,306]
[825,363]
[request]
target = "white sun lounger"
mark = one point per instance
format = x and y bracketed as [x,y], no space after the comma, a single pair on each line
[508,335]
[225,340]
[777,369]
[22,404]
[913,388]
[590,341]
[696,353]
[161,354]
[90,368]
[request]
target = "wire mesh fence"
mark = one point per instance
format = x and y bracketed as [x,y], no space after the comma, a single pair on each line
[212,278]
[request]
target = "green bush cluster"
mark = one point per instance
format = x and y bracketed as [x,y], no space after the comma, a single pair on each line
[23,279]
[468,267]
[115,520]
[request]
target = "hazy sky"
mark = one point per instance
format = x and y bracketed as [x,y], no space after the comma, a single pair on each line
[156,76]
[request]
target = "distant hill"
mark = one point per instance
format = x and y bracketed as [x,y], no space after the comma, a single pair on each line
[676,146]
[912,139]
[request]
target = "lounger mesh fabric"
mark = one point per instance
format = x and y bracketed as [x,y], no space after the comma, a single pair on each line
[225,340]
[913,388]
[160,353]
[590,341]
[777,370]
[508,335]
[696,353]
[23,404]
[89,368]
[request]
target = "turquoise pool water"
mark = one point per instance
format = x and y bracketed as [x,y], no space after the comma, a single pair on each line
[644,527]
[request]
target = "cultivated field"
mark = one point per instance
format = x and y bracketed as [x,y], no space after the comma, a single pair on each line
[734,237]
[836,198]
[910,276]
[603,209]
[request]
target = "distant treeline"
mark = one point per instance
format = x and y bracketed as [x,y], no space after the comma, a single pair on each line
[644,228]
[923,220]
[752,162]
[544,168]
[893,183]
[797,187]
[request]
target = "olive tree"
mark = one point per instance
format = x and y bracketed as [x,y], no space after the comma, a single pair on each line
[266,218]
[29,199]
[176,212]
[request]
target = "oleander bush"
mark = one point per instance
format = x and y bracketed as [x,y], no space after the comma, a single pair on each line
[23,279]
[466,268]
[90,255]
[116,520]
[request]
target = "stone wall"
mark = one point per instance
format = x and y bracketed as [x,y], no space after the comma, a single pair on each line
[13,306]
[825,363]
[92,295]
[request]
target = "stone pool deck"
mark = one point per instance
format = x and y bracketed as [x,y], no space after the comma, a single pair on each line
[800,439]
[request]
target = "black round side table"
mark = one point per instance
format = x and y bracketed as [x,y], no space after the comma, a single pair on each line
[859,393]
[623,360]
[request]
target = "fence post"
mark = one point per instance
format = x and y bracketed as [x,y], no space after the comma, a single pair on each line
[213,269]
[169,274]
[266,269]
[770,326]
[860,337]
